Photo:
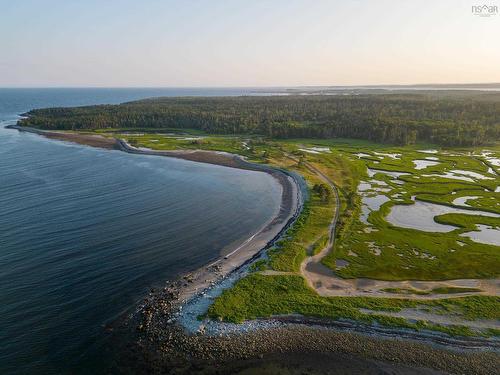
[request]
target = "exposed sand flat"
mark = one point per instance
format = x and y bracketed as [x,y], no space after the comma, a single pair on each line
[327,284]
[93,140]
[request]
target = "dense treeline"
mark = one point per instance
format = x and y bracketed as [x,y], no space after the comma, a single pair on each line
[443,118]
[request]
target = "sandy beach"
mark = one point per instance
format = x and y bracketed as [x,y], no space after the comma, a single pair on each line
[83,139]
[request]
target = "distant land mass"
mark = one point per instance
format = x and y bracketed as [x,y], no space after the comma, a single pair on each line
[423,86]
[445,117]
[379,89]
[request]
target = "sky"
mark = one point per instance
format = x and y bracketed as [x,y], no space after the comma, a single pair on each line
[215,43]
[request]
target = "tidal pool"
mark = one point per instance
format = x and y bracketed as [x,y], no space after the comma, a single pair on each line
[451,175]
[494,161]
[472,174]
[420,216]
[393,156]
[362,155]
[462,201]
[422,164]
[371,204]
[393,174]
[364,186]
[316,150]
[309,151]
[341,263]
[491,159]
[484,234]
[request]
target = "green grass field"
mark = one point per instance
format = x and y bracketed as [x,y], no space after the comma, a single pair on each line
[257,296]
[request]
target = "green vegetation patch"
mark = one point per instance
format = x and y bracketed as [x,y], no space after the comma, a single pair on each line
[263,296]
[377,249]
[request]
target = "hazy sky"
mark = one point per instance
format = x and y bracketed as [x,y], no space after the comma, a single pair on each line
[246,43]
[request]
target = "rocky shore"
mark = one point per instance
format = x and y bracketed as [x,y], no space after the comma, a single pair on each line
[159,344]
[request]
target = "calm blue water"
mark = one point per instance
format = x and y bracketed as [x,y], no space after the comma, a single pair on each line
[85,232]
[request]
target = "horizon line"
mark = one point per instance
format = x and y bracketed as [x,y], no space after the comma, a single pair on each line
[257,87]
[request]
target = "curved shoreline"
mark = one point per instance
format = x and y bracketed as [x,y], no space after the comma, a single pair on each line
[290,207]
[198,281]
[157,328]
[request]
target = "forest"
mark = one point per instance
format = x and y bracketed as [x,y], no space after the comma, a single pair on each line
[448,118]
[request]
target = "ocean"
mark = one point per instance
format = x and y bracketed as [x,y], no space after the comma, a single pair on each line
[85,232]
